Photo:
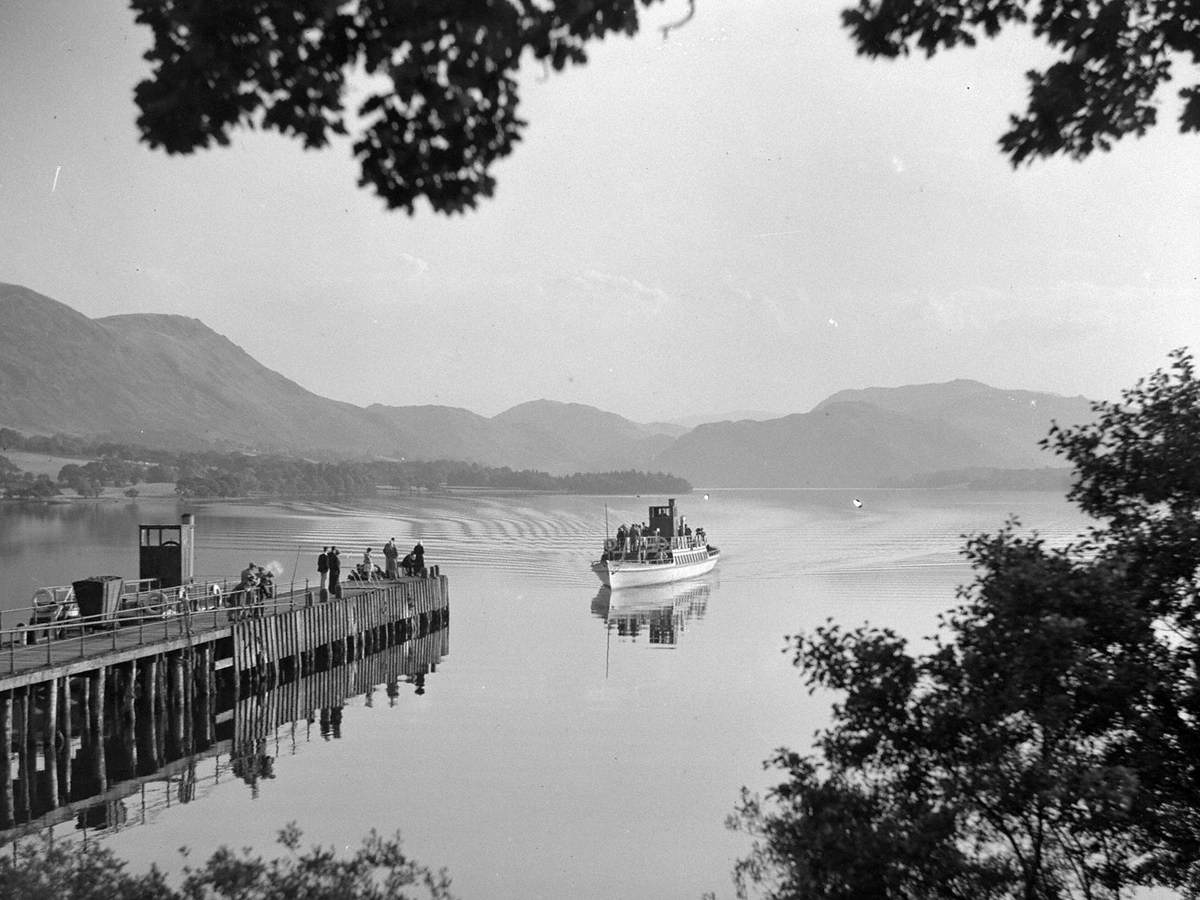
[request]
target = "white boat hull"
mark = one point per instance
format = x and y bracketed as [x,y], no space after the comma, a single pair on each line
[623,573]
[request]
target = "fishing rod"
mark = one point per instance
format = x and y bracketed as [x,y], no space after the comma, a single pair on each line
[296,567]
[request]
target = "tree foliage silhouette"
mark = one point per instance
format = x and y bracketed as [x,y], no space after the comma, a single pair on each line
[378,869]
[442,103]
[1116,55]
[1048,745]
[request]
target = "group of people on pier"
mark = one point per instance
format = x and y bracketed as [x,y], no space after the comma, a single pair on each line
[329,566]
[258,583]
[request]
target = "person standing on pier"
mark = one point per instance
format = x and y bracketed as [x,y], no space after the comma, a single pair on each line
[323,567]
[389,558]
[419,560]
[335,571]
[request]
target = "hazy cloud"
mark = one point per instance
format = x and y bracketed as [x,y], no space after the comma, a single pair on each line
[619,292]
[412,267]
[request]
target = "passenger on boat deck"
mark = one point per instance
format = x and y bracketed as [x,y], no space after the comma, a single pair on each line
[621,538]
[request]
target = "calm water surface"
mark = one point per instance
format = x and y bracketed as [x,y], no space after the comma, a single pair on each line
[571,743]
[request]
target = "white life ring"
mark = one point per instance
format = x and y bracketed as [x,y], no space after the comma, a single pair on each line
[43,597]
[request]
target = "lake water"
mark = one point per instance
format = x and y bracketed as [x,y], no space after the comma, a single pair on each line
[570,743]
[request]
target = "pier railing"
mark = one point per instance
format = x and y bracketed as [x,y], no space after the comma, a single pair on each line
[173,613]
[148,626]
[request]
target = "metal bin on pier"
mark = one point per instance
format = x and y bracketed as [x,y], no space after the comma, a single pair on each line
[99,595]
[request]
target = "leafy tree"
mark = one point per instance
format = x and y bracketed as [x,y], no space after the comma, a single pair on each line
[378,870]
[159,473]
[1115,56]
[29,487]
[8,469]
[446,105]
[1048,745]
[447,113]
[1138,472]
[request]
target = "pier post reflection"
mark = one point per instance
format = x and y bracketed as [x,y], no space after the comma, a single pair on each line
[109,748]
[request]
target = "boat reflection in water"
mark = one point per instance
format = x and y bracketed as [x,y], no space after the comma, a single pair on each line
[98,783]
[656,614]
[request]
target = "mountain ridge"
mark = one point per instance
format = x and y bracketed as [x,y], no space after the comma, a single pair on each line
[171,380]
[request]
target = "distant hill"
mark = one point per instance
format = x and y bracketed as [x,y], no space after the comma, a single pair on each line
[171,381]
[554,437]
[737,415]
[1010,422]
[155,379]
[878,436]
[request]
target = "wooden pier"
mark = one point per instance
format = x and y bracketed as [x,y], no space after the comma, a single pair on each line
[87,715]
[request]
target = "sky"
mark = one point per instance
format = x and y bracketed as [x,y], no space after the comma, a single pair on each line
[743,216]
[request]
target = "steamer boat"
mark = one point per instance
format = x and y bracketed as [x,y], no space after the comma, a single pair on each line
[665,550]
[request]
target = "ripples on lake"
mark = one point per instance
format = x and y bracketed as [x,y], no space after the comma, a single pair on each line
[571,742]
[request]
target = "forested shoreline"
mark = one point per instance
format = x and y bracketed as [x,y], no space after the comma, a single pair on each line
[222,474]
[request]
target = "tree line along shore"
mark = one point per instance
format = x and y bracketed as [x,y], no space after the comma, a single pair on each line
[60,466]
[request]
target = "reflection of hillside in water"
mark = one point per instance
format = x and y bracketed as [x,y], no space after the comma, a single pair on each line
[129,775]
[657,614]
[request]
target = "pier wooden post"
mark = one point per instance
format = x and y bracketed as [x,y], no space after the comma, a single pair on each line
[149,731]
[49,740]
[129,713]
[189,700]
[64,754]
[85,709]
[6,794]
[98,681]
[96,727]
[161,723]
[24,761]
[207,662]
[177,703]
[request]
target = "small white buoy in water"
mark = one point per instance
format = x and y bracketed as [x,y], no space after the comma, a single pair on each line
[857,503]
[706,496]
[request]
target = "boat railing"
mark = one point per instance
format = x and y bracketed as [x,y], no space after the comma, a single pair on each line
[653,543]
